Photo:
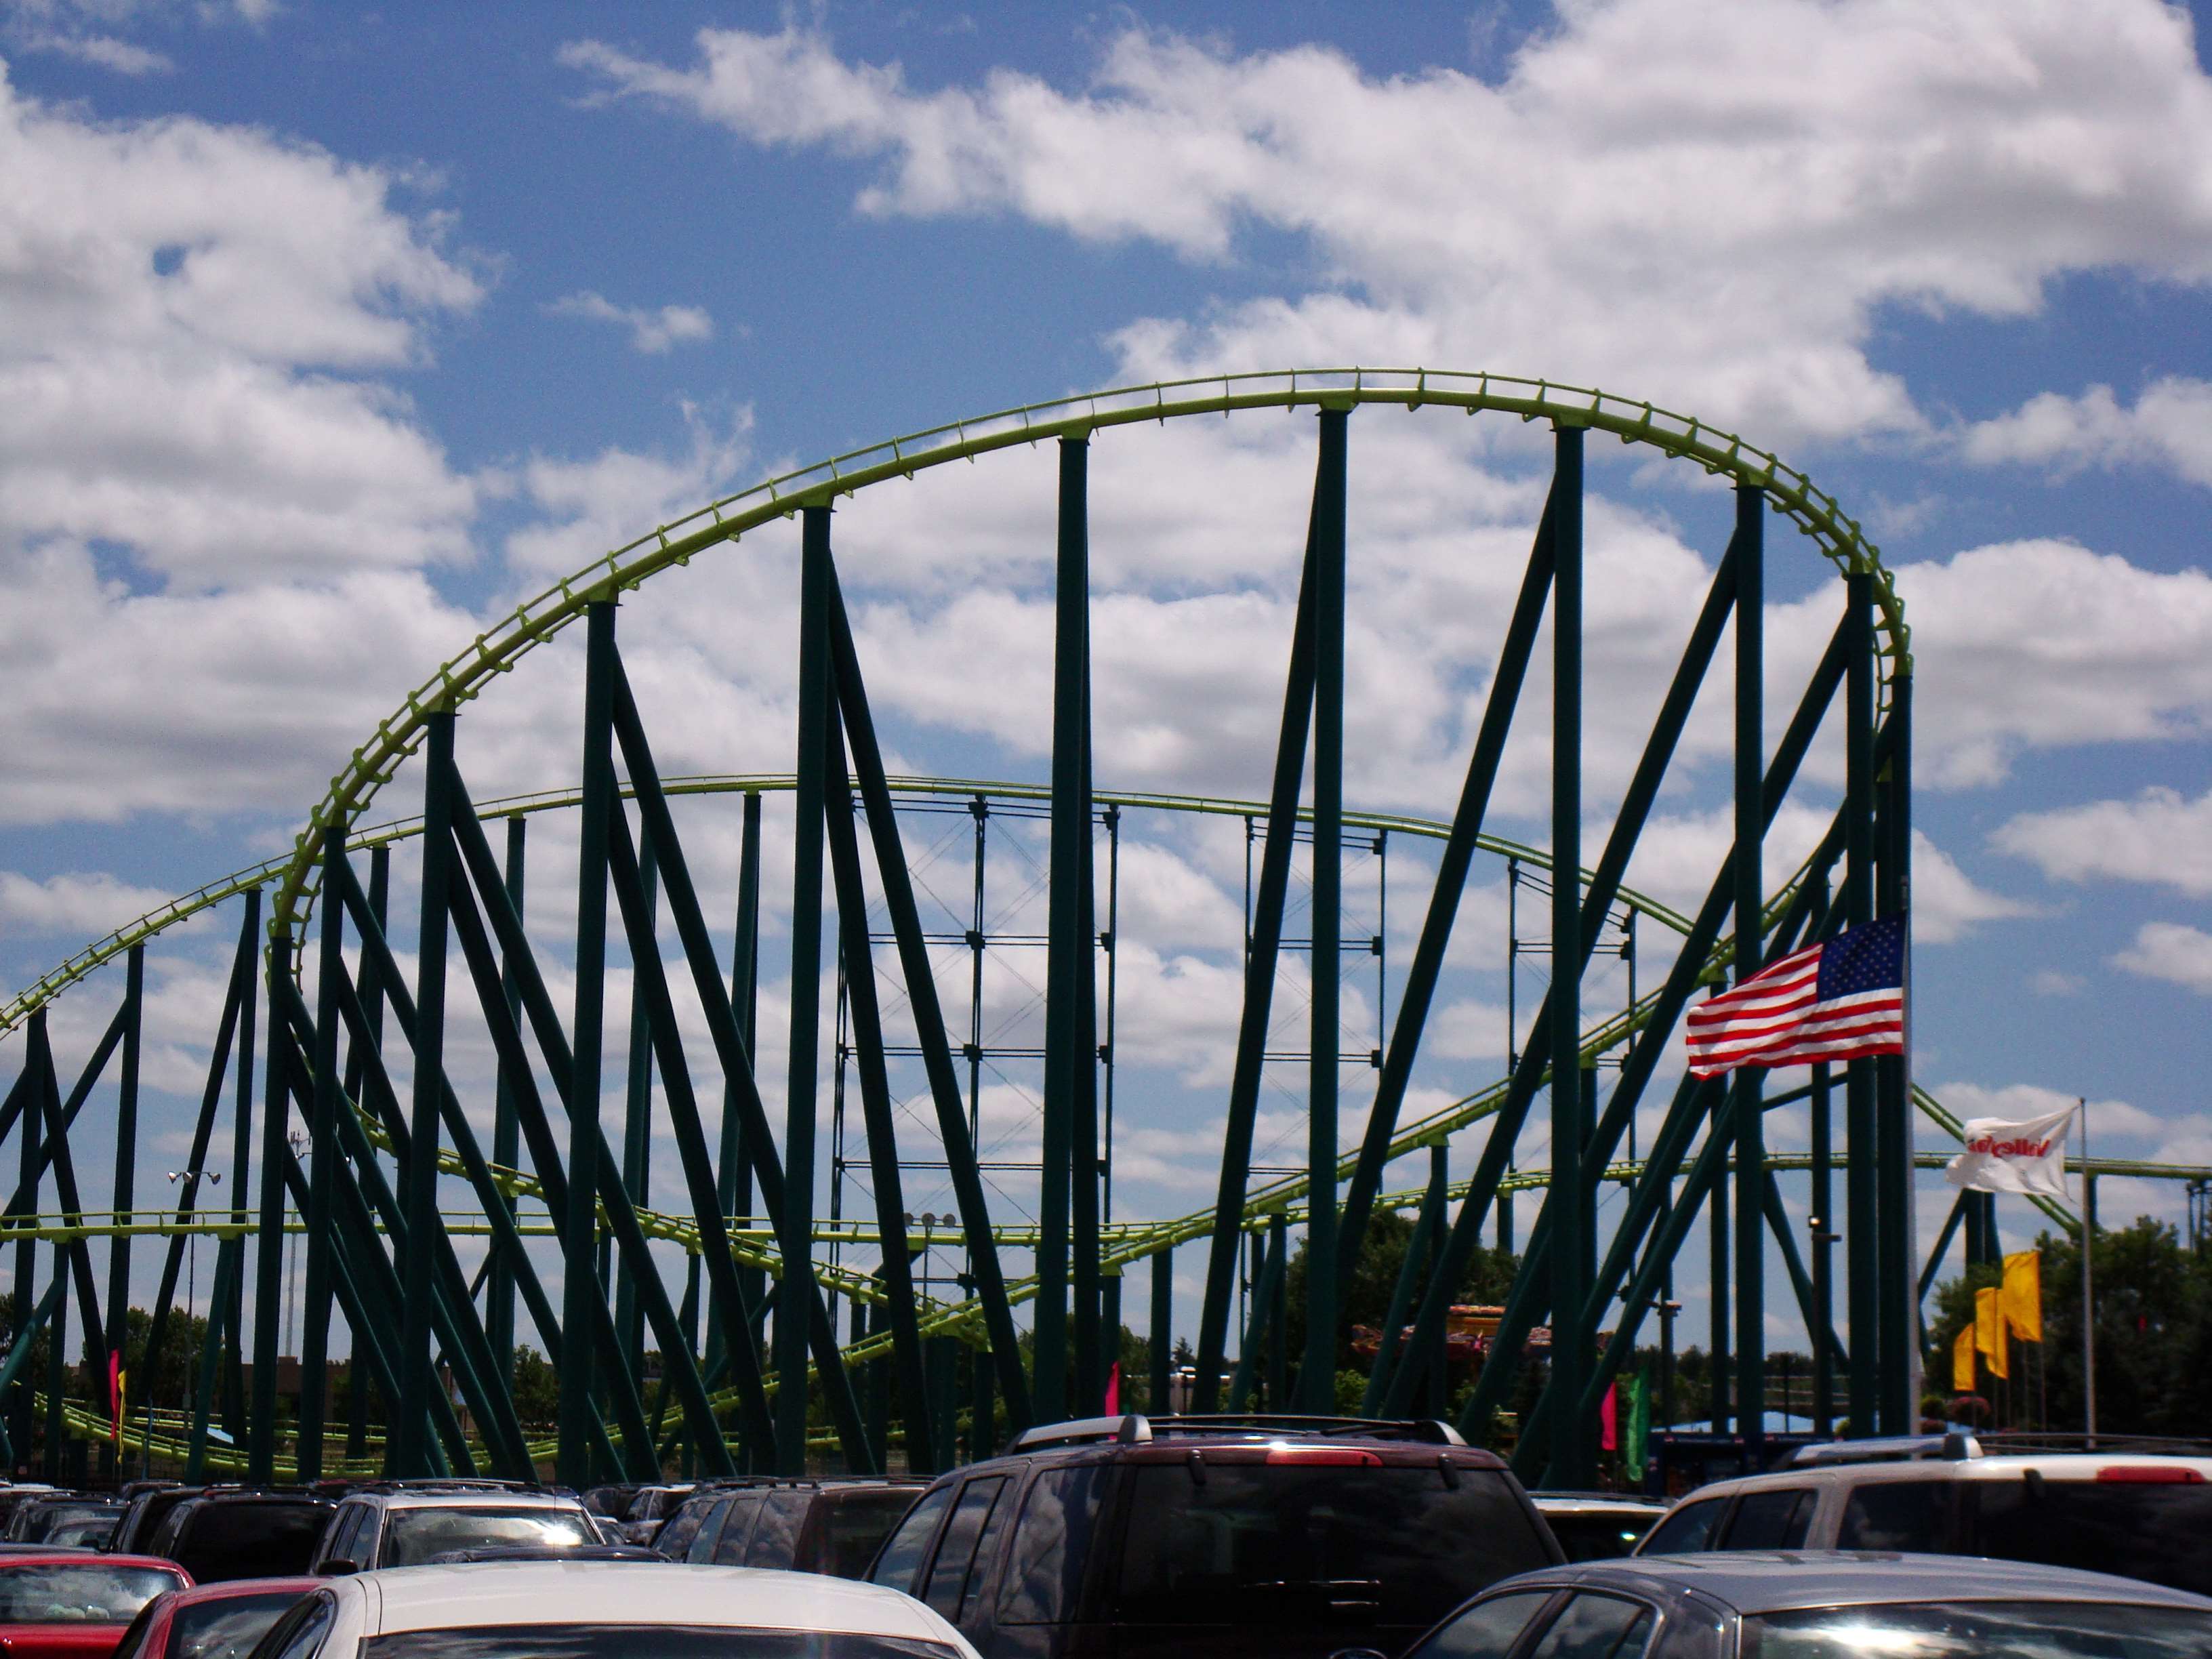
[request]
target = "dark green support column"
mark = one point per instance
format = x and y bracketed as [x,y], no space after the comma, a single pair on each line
[1821,1231]
[637,1113]
[1720,1237]
[1860,1223]
[796,1230]
[1261,952]
[1278,1316]
[580,1290]
[23,1413]
[1070,954]
[268,1246]
[507,1134]
[418,1379]
[1748,859]
[241,1153]
[323,1152]
[1574,1438]
[1421,1249]
[1317,1369]
[734,1169]
[126,1154]
[1163,1353]
[1894,1263]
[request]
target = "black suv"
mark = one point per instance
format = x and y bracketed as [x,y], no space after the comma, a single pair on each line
[832,1527]
[1292,1538]
[244,1533]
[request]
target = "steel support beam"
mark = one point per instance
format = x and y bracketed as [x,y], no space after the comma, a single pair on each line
[1316,1388]
[1896,1306]
[1860,1223]
[323,1153]
[507,1138]
[1748,860]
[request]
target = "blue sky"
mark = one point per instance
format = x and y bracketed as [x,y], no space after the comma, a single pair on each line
[330,333]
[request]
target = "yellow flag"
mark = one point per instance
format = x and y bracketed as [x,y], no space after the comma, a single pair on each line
[1962,1361]
[1989,1331]
[2020,1298]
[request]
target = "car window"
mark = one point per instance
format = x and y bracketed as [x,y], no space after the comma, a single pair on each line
[691,1536]
[844,1530]
[1897,1514]
[338,1542]
[776,1534]
[902,1552]
[301,1634]
[728,1548]
[955,1556]
[413,1536]
[71,1594]
[1051,1542]
[1973,1630]
[1770,1520]
[134,1638]
[227,1629]
[1688,1527]
[1298,1545]
[250,1540]
[2141,1529]
[1487,1630]
[1597,1535]
[1595,1626]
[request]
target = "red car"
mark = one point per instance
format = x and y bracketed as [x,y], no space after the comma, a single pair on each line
[211,1621]
[69,1605]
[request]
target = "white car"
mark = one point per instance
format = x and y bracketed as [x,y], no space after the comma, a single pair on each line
[404,1523]
[607,1610]
[2139,1515]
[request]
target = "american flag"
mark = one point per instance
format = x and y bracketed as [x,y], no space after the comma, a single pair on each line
[1840,999]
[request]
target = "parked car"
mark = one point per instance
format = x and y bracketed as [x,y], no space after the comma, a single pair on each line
[35,1521]
[211,1621]
[603,1610]
[613,1500]
[2144,1516]
[67,1606]
[832,1527]
[144,1513]
[1820,1605]
[1597,1526]
[244,1533]
[14,1496]
[1292,1538]
[89,1532]
[399,1524]
[649,1506]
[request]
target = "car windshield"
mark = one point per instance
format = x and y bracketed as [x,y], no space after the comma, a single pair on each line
[1980,1630]
[853,1525]
[71,1594]
[645,1642]
[414,1535]
[1597,1535]
[1288,1545]
[227,1629]
[251,1540]
[2139,1530]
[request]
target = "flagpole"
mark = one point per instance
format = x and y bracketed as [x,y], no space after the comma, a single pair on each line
[2088,1302]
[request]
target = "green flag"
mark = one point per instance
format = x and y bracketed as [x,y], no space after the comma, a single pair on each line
[1637,1434]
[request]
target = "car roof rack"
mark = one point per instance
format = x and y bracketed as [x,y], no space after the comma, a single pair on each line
[1952,1448]
[442,1483]
[1132,1429]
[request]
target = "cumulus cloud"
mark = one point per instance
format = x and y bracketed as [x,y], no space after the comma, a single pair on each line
[1652,192]
[2159,837]
[79,903]
[2170,952]
[651,331]
[2169,428]
[105,51]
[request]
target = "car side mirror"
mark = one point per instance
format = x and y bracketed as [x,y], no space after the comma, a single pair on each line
[337,1566]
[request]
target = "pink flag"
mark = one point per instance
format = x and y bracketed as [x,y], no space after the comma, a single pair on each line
[1114,1391]
[1608,1417]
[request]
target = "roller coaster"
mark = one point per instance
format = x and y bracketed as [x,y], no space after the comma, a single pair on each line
[339,1007]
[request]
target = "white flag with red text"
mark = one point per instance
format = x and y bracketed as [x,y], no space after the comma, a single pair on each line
[2004,1156]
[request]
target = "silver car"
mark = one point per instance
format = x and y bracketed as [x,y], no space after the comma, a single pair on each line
[1820,1604]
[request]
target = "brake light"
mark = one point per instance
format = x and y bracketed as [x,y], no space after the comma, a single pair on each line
[2151,1474]
[1336,1457]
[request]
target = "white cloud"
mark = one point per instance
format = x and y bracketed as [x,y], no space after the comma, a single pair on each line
[2170,427]
[2161,838]
[1654,194]
[2044,644]
[105,51]
[1947,905]
[2168,951]
[82,903]
[651,331]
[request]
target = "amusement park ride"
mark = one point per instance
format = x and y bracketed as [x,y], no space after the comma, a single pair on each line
[856,1353]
